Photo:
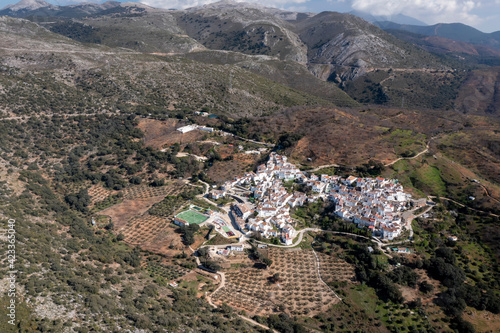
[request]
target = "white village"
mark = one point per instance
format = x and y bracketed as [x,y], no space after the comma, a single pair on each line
[374,203]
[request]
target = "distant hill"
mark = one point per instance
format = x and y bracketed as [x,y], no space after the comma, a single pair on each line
[455,31]
[481,54]
[316,54]
[399,18]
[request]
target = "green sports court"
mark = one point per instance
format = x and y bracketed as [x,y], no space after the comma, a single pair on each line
[192,217]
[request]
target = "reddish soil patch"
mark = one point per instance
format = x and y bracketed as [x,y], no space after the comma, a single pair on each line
[124,211]
[225,170]
[159,134]
[167,242]
[349,137]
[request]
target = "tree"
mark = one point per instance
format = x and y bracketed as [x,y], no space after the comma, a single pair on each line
[425,287]
[276,278]
[266,261]
[212,265]
[79,201]
[203,252]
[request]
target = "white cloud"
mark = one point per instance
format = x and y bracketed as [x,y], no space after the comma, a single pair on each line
[428,10]
[182,4]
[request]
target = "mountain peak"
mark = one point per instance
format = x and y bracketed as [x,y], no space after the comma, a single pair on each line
[229,4]
[28,5]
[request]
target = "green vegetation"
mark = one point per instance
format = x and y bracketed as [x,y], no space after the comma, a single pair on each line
[73,147]
[69,258]
[108,202]
[429,179]
[326,171]
[166,207]
[407,143]
[164,271]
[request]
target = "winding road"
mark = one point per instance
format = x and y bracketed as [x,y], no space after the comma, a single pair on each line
[462,205]
[221,285]
[410,158]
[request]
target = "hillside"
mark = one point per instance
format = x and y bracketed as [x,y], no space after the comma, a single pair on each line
[350,138]
[455,31]
[480,93]
[340,49]
[112,209]
[441,45]
[246,29]
[346,40]
[123,79]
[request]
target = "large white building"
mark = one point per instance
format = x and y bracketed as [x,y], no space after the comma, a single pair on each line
[188,128]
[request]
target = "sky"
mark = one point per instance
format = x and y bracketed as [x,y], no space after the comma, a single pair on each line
[481,14]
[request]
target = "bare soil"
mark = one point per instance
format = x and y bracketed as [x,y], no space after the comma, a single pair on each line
[159,134]
[167,242]
[121,213]
[298,291]
[483,321]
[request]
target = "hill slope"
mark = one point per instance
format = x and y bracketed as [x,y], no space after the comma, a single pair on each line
[51,65]
[456,31]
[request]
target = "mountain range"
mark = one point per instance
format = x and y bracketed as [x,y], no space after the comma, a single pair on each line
[317,53]
[94,167]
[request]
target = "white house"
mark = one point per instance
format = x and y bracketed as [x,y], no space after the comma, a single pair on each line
[242,210]
[238,248]
[217,194]
[207,129]
[180,222]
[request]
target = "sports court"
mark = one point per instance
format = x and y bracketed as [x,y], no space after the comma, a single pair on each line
[192,217]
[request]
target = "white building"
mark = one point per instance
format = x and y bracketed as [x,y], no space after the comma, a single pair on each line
[188,128]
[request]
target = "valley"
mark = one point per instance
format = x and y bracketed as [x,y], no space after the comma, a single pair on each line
[237,168]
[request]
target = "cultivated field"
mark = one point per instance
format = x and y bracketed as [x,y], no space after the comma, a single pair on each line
[131,217]
[98,193]
[299,291]
[142,228]
[144,191]
[167,242]
[121,214]
[332,268]
[165,271]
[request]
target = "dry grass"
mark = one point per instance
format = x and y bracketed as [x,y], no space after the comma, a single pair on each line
[159,134]
[483,321]
[123,212]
